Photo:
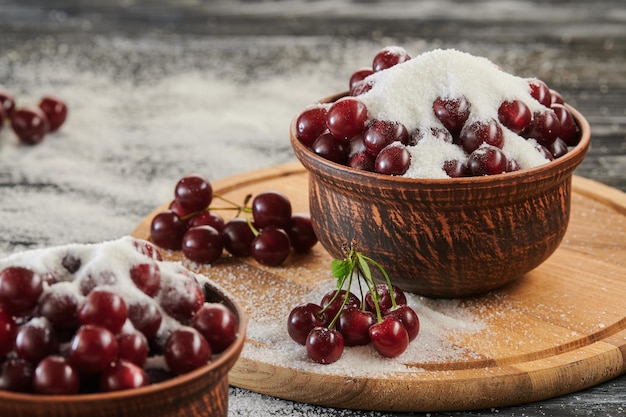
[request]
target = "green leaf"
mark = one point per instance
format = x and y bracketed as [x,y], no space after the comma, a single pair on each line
[365,268]
[340,268]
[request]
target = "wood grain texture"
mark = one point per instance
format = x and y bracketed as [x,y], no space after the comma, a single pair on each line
[559,329]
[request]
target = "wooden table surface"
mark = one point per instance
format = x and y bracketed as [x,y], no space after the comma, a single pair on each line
[290,52]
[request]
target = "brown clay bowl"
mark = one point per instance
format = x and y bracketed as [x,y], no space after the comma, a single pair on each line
[200,393]
[444,238]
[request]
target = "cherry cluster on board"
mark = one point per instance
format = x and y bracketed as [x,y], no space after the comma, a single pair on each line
[60,336]
[380,316]
[192,225]
[31,124]
[344,133]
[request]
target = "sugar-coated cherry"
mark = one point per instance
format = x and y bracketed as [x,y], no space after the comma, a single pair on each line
[418,134]
[409,319]
[35,340]
[8,330]
[324,345]
[202,244]
[146,248]
[358,76]
[147,277]
[271,208]
[361,87]
[381,133]
[55,110]
[16,375]
[364,161]
[54,375]
[218,324]
[346,117]
[394,159]
[304,318]
[167,230]
[452,112]
[133,347]
[60,307]
[329,147]
[388,57]
[540,92]
[92,349]
[30,124]
[71,263]
[384,298]
[145,316]
[487,160]
[354,325]
[271,247]
[481,131]
[515,115]
[123,375]
[310,124]
[512,165]
[389,337]
[545,152]
[181,298]
[185,350]
[104,277]
[104,308]
[556,97]
[237,237]
[20,288]
[455,168]
[301,233]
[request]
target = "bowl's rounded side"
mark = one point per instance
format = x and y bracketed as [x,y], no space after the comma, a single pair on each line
[444,237]
[202,392]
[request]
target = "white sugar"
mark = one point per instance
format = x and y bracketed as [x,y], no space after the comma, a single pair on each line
[405,93]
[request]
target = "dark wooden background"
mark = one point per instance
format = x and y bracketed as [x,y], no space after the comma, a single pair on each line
[577,47]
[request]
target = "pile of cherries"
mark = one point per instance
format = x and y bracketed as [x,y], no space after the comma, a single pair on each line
[344,133]
[64,336]
[268,234]
[31,124]
[380,316]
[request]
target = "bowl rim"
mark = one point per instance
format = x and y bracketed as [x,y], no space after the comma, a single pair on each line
[565,163]
[155,388]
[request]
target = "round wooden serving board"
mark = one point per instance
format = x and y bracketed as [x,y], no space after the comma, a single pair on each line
[559,329]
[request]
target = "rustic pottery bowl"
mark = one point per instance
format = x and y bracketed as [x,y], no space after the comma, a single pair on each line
[200,393]
[444,238]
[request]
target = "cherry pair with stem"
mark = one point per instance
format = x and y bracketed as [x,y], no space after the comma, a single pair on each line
[380,316]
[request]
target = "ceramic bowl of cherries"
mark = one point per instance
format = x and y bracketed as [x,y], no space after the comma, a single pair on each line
[454,174]
[113,329]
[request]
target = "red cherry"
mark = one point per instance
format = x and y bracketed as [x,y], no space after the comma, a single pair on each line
[354,326]
[193,192]
[122,376]
[304,318]
[482,131]
[208,218]
[544,128]
[388,57]
[35,340]
[54,375]
[515,115]
[409,319]
[393,160]
[8,330]
[146,317]
[358,76]
[133,347]
[384,298]
[301,233]
[329,147]
[202,244]
[147,277]
[105,309]
[20,288]
[333,300]
[218,324]
[540,92]
[55,110]
[30,124]
[324,345]
[389,337]
[346,117]
[569,131]
[487,160]
[16,375]
[185,350]
[310,124]
[167,230]
[452,112]
[92,349]
[181,298]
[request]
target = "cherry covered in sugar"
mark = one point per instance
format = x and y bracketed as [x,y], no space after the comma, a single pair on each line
[181,298]
[358,76]
[452,112]
[540,92]
[393,160]
[147,277]
[388,57]
[145,316]
[481,131]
